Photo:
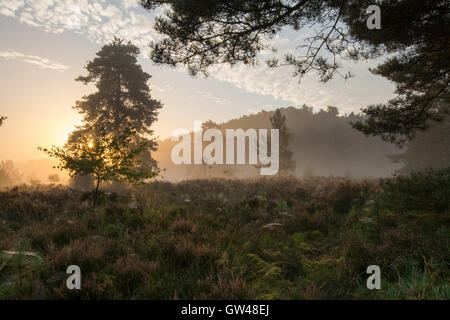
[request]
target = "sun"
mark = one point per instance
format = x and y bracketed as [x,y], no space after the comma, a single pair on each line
[90,145]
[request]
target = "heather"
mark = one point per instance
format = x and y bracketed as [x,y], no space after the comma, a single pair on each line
[272,238]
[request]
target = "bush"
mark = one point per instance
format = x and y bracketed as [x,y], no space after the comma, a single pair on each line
[427,191]
[9,175]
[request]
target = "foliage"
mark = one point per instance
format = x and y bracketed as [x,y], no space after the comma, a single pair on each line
[286,162]
[324,145]
[426,191]
[278,238]
[9,175]
[105,158]
[122,99]
[1,120]
[430,149]
[53,178]
[200,34]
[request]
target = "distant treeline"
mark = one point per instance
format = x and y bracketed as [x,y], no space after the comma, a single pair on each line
[323,144]
[33,172]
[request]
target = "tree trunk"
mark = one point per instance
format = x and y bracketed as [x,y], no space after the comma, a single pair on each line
[96,192]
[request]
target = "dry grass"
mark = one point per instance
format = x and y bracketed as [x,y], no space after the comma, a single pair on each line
[226,239]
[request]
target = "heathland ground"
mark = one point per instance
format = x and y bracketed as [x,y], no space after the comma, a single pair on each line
[274,238]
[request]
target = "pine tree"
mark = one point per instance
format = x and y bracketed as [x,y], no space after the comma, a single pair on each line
[287,163]
[122,99]
[414,38]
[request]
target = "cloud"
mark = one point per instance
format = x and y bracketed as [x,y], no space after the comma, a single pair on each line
[101,20]
[98,20]
[156,87]
[278,83]
[210,96]
[35,60]
[9,7]
[161,88]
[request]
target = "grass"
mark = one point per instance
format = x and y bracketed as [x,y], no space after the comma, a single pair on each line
[229,239]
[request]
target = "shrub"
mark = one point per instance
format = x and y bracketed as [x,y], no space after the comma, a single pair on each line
[427,191]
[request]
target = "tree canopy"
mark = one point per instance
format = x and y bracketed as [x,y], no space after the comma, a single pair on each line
[122,99]
[287,163]
[105,158]
[414,37]
[9,175]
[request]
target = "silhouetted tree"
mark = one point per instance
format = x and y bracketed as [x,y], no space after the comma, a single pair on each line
[9,175]
[332,111]
[414,34]
[287,163]
[122,99]
[210,125]
[324,144]
[1,120]
[109,158]
[430,149]
[53,178]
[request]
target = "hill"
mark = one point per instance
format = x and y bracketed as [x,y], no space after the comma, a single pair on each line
[324,144]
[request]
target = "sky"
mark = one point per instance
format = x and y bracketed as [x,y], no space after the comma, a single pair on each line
[45,44]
